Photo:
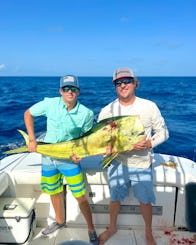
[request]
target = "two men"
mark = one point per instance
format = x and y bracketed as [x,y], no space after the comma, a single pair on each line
[68,119]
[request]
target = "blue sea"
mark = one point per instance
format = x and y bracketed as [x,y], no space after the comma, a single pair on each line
[175,97]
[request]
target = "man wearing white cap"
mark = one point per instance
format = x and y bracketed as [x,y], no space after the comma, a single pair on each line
[132,169]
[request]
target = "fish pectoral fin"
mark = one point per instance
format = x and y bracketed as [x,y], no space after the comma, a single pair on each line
[107,160]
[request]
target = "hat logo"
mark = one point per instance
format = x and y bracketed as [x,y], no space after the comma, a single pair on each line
[68,79]
[122,72]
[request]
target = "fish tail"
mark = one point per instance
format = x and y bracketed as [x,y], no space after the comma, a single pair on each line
[25,136]
[17,150]
[20,149]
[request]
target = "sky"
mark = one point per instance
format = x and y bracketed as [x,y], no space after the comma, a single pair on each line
[95,37]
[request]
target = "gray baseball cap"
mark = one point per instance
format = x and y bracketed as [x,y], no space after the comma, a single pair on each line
[122,73]
[69,80]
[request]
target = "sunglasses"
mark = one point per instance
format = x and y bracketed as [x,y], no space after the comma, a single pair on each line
[125,81]
[67,88]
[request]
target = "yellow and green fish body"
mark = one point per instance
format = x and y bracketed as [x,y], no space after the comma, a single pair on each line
[119,132]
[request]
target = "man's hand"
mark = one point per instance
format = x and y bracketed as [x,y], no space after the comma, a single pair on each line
[32,145]
[74,158]
[142,145]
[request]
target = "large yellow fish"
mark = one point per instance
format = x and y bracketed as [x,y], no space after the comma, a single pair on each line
[119,132]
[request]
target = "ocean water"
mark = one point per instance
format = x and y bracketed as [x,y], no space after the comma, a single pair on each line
[175,97]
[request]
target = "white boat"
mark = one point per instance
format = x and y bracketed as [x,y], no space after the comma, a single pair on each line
[173,213]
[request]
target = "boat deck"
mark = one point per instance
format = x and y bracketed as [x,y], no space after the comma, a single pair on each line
[20,178]
[123,236]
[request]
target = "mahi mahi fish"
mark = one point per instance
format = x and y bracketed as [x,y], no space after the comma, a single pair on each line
[121,133]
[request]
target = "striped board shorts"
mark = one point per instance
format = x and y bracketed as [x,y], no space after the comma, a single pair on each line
[53,173]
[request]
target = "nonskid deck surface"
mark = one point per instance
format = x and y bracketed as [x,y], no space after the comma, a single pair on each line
[122,237]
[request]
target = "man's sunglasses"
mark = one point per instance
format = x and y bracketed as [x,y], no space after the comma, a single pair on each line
[67,88]
[118,83]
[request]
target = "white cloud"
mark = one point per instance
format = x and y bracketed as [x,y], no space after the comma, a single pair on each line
[2,66]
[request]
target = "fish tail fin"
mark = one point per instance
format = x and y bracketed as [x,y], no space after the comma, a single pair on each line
[25,136]
[107,160]
[20,149]
[17,150]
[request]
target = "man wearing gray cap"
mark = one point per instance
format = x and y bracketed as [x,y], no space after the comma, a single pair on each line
[67,119]
[132,169]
